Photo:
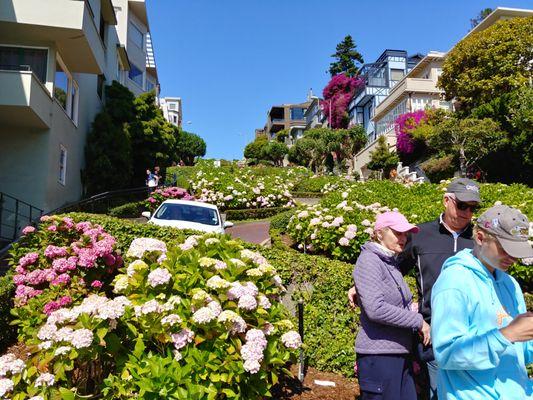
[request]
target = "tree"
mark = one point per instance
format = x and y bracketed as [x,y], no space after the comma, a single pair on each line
[489,63]
[154,139]
[190,146]
[254,150]
[382,159]
[469,140]
[108,152]
[337,95]
[480,17]
[275,152]
[306,152]
[348,59]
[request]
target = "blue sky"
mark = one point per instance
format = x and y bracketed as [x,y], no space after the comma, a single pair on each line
[230,60]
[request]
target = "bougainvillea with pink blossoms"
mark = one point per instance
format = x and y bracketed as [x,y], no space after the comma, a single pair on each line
[337,95]
[160,195]
[404,124]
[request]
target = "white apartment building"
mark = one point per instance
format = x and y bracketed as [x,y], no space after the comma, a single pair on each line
[134,35]
[55,59]
[418,90]
[172,110]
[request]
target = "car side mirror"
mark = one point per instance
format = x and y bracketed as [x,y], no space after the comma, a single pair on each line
[228,224]
[146,214]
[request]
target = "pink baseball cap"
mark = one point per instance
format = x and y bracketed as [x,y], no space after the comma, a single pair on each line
[395,221]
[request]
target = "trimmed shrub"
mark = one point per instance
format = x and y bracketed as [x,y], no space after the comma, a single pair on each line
[438,169]
[280,221]
[252,213]
[128,210]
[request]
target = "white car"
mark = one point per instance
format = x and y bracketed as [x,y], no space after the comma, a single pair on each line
[186,214]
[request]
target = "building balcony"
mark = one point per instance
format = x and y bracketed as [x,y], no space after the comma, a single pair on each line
[24,101]
[406,85]
[69,24]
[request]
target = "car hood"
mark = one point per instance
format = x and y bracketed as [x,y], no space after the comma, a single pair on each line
[187,225]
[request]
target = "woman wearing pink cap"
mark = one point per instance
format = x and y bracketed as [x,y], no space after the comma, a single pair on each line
[384,342]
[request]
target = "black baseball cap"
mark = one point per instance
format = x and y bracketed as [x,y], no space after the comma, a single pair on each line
[465,190]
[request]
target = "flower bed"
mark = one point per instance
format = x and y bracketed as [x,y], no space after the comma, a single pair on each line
[203,317]
[230,187]
[342,222]
[158,196]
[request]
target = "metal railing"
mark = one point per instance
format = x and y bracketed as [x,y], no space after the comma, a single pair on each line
[14,215]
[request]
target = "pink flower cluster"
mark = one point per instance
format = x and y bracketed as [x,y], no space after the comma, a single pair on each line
[52,306]
[159,195]
[403,125]
[35,273]
[252,351]
[182,338]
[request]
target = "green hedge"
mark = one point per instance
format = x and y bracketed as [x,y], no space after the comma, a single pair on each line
[316,184]
[128,210]
[252,213]
[280,221]
[306,194]
[8,333]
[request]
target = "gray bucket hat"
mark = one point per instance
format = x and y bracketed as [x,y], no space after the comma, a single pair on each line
[465,190]
[510,227]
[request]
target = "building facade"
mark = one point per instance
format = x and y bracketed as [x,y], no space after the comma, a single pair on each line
[314,116]
[54,64]
[290,117]
[416,91]
[172,111]
[379,78]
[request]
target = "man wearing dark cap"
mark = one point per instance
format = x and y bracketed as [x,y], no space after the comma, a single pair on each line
[482,334]
[426,252]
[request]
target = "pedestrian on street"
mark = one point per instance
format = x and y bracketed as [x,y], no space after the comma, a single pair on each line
[384,342]
[482,332]
[158,176]
[438,240]
[150,180]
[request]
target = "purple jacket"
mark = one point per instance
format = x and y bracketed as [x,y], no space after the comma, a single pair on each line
[386,322]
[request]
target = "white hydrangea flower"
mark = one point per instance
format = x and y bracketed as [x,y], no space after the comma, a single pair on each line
[204,315]
[137,265]
[171,320]
[45,379]
[159,276]
[141,245]
[291,340]
[47,331]
[6,385]
[82,338]
[211,241]
[121,283]
[62,350]
[237,262]
[217,283]
[247,302]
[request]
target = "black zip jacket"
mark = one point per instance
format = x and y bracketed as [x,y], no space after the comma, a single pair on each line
[426,251]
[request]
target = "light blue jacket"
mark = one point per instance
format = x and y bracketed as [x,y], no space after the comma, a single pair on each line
[469,306]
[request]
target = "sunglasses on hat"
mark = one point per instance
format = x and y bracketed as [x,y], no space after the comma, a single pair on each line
[465,206]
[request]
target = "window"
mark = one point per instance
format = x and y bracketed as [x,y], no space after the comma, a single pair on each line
[66,90]
[297,113]
[102,28]
[149,85]
[61,85]
[100,86]
[136,36]
[396,74]
[175,119]
[62,165]
[24,59]
[136,75]
[171,106]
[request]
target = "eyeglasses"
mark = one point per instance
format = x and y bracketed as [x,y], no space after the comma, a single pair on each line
[461,205]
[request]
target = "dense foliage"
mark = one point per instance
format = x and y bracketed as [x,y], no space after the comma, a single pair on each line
[343,220]
[203,317]
[382,158]
[337,96]
[348,59]
[233,187]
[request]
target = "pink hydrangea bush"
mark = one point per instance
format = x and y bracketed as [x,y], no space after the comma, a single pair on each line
[206,306]
[66,262]
[160,195]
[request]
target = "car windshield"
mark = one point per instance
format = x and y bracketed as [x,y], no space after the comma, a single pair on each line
[187,212]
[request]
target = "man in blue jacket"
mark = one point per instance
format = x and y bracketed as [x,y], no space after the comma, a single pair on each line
[482,333]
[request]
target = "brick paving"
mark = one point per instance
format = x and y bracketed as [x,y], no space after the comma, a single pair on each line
[253,232]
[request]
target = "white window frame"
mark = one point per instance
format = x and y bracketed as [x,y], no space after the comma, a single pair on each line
[62,179]
[72,109]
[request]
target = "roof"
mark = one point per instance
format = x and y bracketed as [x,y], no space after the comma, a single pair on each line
[498,14]
[431,56]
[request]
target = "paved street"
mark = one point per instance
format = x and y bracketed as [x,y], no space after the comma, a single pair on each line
[253,232]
